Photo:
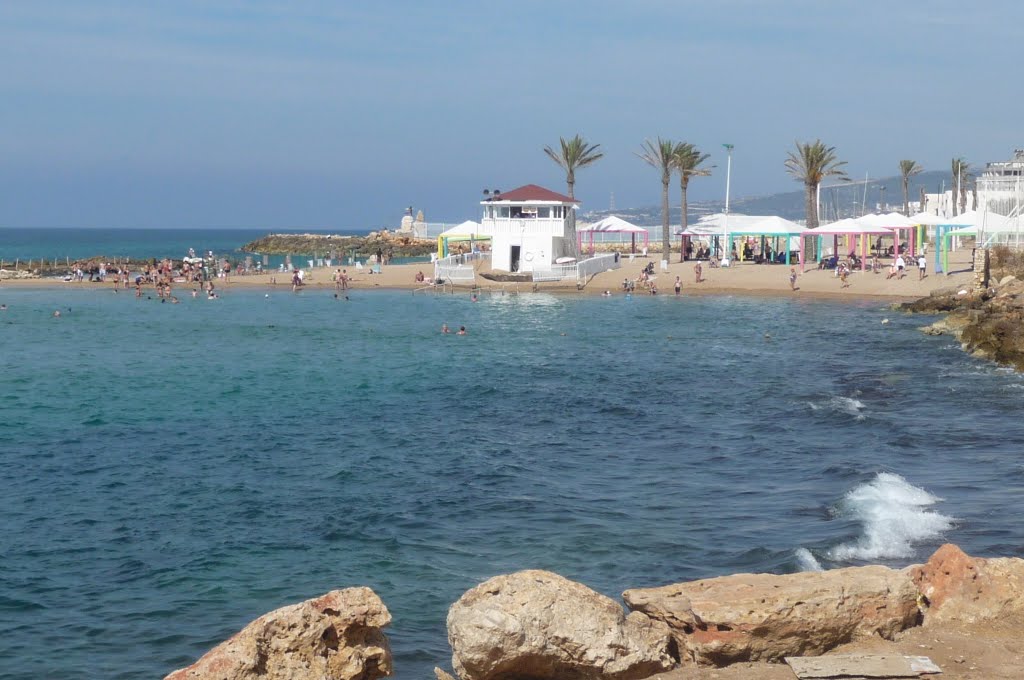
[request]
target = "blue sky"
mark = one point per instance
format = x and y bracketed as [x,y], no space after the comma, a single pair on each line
[325,114]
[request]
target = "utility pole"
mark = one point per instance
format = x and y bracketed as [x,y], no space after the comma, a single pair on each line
[726,251]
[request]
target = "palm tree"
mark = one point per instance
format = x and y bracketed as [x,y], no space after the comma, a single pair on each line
[907,170]
[660,154]
[960,171]
[574,154]
[686,158]
[810,163]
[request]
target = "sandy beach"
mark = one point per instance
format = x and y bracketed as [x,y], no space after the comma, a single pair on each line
[741,278]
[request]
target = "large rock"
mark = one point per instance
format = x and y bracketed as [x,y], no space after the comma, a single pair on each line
[958,587]
[334,637]
[537,625]
[764,617]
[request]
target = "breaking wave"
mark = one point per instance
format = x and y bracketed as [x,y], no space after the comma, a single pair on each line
[806,561]
[895,515]
[845,405]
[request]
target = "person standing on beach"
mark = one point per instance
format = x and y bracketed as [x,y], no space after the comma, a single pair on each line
[922,264]
[792,278]
[337,280]
[679,285]
[901,265]
[344,279]
[698,272]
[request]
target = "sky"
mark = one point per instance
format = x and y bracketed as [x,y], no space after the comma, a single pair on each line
[320,114]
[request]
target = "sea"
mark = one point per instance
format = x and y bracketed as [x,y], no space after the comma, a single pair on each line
[173,471]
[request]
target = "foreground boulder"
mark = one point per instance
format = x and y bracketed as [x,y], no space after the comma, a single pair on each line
[537,625]
[764,617]
[334,637]
[958,587]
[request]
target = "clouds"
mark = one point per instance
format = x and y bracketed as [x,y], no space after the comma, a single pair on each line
[381,105]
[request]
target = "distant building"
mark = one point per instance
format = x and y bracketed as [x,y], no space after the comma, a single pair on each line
[999,186]
[528,227]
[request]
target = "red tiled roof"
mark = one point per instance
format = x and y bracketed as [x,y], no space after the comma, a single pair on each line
[532,192]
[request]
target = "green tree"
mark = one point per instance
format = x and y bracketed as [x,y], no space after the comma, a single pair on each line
[810,163]
[572,155]
[660,155]
[961,171]
[907,170]
[686,159]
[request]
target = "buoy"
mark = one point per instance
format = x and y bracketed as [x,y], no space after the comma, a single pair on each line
[885,321]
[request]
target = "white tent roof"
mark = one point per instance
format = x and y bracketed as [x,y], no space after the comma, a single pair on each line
[892,220]
[963,231]
[989,221]
[467,228]
[927,218]
[753,225]
[613,224]
[849,226]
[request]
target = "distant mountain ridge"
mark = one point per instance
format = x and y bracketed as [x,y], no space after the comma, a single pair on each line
[837,202]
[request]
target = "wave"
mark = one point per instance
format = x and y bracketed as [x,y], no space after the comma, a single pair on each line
[895,515]
[806,561]
[846,405]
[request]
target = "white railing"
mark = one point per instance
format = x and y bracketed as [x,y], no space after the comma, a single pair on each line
[459,268]
[595,265]
[581,271]
[518,226]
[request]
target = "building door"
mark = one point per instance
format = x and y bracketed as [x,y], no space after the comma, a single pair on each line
[515,258]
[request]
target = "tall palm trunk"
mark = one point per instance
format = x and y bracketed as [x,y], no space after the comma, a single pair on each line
[666,241]
[811,210]
[906,196]
[574,245]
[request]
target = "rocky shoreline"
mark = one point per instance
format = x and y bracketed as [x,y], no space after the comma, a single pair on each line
[399,245]
[538,625]
[988,322]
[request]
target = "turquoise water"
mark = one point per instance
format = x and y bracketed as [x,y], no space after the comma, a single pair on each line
[173,471]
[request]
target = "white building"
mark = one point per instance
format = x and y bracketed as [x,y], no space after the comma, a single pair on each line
[528,228]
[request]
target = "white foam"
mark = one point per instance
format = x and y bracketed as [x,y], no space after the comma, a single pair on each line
[895,515]
[805,561]
[845,405]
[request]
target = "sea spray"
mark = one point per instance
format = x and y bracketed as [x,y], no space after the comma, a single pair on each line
[895,515]
[806,561]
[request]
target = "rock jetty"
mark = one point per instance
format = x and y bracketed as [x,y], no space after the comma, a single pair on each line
[988,323]
[538,625]
[399,245]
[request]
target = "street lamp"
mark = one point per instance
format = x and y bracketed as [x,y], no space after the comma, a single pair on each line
[728,178]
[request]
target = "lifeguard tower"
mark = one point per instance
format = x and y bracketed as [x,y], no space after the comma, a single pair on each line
[528,228]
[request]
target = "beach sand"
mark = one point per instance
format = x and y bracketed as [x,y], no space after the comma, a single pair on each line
[742,278]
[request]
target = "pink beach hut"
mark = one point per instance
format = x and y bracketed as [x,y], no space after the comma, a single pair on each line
[896,223]
[612,225]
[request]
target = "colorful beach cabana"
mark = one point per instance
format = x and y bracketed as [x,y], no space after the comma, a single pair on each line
[740,226]
[897,223]
[970,223]
[850,229]
[612,225]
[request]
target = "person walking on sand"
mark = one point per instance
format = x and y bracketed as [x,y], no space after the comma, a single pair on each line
[844,272]
[922,264]
[901,265]
[792,278]
[679,285]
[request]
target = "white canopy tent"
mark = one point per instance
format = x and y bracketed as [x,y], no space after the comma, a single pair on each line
[768,226]
[849,229]
[612,225]
[466,231]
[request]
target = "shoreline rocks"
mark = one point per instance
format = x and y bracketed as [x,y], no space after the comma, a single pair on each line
[321,244]
[989,324]
[765,617]
[337,636]
[539,625]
